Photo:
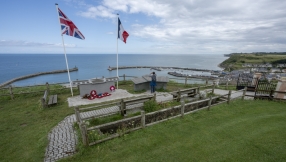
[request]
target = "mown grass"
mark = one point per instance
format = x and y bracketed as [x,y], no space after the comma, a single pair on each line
[25,125]
[242,131]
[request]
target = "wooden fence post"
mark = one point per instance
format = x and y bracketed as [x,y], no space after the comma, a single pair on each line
[77,85]
[271,94]
[179,96]
[186,80]
[143,119]
[226,85]
[228,96]
[84,134]
[11,92]
[210,103]
[243,94]
[122,107]
[207,82]
[77,115]
[48,87]
[124,77]
[154,97]
[182,108]
[213,87]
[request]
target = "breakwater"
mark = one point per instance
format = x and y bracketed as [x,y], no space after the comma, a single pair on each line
[36,74]
[157,68]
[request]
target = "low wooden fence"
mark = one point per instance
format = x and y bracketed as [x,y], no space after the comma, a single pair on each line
[181,80]
[97,134]
[270,95]
[10,91]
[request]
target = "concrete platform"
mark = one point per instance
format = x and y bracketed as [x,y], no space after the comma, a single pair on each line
[116,95]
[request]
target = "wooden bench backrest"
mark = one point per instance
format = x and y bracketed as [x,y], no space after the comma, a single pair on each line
[44,99]
[186,90]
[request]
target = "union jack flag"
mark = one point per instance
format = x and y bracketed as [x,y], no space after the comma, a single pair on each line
[68,27]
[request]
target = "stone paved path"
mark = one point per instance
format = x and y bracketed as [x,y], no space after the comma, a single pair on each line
[62,140]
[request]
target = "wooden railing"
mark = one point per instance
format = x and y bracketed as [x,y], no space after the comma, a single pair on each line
[97,134]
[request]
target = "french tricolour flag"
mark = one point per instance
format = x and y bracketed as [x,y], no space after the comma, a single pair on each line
[122,34]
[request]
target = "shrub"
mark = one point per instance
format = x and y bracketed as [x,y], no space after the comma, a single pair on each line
[150,106]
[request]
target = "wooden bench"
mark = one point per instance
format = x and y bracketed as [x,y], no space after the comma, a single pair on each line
[53,99]
[191,92]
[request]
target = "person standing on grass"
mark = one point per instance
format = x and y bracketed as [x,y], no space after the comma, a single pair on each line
[153,82]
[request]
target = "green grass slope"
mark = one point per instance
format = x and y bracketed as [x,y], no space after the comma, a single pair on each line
[237,60]
[24,126]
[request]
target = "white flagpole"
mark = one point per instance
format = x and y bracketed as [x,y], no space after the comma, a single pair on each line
[64,50]
[117,49]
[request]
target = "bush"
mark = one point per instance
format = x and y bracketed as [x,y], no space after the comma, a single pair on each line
[150,106]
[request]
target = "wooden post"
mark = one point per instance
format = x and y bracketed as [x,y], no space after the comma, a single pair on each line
[78,86]
[77,115]
[179,96]
[11,92]
[213,87]
[207,82]
[48,87]
[122,107]
[182,108]
[84,134]
[124,77]
[210,103]
[198,92]
[243,94]
[271,94]
[143,119]
[154,97]
[228,97]
[226,86]
[186,80]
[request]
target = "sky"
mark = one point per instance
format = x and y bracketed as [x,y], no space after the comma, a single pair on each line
[154,26]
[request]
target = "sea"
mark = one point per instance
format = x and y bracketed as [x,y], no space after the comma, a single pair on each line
[96,66]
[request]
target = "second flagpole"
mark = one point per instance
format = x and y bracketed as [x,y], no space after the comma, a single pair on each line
[117,51]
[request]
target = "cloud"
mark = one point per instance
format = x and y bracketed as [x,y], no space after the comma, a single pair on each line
[21,43]
[205,24]
[98,11]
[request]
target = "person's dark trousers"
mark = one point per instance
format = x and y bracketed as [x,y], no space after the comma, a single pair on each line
[152,89]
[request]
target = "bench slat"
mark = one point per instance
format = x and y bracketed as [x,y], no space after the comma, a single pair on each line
[55,99]
[51,100]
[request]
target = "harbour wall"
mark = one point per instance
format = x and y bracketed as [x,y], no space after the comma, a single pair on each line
[34,75]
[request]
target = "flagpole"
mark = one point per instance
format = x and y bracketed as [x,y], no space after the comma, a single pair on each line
[64,50]
[117,50]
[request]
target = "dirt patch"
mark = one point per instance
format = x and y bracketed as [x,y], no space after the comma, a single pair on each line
[23,124]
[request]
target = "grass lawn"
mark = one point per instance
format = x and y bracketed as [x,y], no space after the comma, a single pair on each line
[241,131]
[25,125]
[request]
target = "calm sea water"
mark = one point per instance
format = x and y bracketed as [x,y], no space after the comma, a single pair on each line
[96,65]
